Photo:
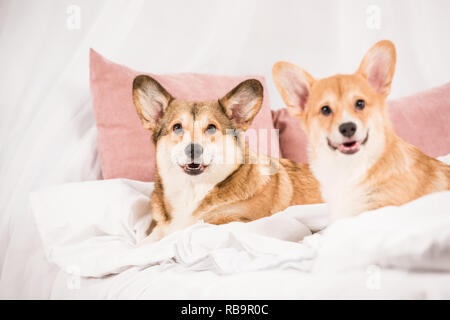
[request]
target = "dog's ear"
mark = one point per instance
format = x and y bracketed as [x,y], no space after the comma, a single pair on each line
[243,103]
[294,85]
[150,99]
[378,66]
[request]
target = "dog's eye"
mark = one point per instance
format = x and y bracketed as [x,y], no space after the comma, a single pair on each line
[360,104]
[177,128]
[325,110]
[211,129]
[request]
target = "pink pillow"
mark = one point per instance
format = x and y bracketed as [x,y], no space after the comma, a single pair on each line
[421,119]
[124,146]
[293,140]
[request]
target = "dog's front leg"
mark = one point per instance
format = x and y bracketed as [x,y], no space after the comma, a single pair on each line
[158,232]
[158,227]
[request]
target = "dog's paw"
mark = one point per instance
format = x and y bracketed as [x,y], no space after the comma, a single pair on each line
[156,235]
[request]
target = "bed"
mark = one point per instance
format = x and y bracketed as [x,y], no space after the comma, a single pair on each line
[49,158]
[79,242]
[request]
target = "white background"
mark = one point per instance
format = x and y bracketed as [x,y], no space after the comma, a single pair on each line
[46,120]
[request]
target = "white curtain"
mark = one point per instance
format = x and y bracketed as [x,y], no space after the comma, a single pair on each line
[47,132]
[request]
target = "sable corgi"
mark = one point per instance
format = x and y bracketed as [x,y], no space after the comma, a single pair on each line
[203,168]
[360,162]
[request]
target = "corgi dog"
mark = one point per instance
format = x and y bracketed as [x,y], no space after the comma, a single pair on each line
[204,170]
[359,161]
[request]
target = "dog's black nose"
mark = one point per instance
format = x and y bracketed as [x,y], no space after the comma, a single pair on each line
[193,151]
[347,129]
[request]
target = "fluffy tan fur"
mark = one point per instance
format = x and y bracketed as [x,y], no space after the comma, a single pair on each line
[403,173]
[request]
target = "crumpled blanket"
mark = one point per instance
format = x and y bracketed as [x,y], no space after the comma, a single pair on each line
[93,227]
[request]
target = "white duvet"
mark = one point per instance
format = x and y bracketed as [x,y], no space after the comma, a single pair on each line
[78,241]
[94,227]
[91,228]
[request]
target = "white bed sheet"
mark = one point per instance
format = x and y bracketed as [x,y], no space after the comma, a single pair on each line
[175,282]
[89,230]
[30,276]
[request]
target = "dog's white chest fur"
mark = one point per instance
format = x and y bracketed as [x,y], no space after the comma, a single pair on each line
[184,196]
[345,199]
[341,178]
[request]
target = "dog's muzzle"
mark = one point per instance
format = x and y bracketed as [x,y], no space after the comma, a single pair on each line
[194,152]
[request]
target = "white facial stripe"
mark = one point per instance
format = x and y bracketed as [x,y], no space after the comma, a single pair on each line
[346,117]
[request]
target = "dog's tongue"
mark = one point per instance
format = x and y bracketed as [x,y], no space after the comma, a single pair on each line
[348,146]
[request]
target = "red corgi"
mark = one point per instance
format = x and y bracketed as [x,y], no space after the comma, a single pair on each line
[203,167]
[356,156]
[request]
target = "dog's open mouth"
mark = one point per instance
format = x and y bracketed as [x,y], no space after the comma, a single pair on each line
[349,147]
[193,168]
